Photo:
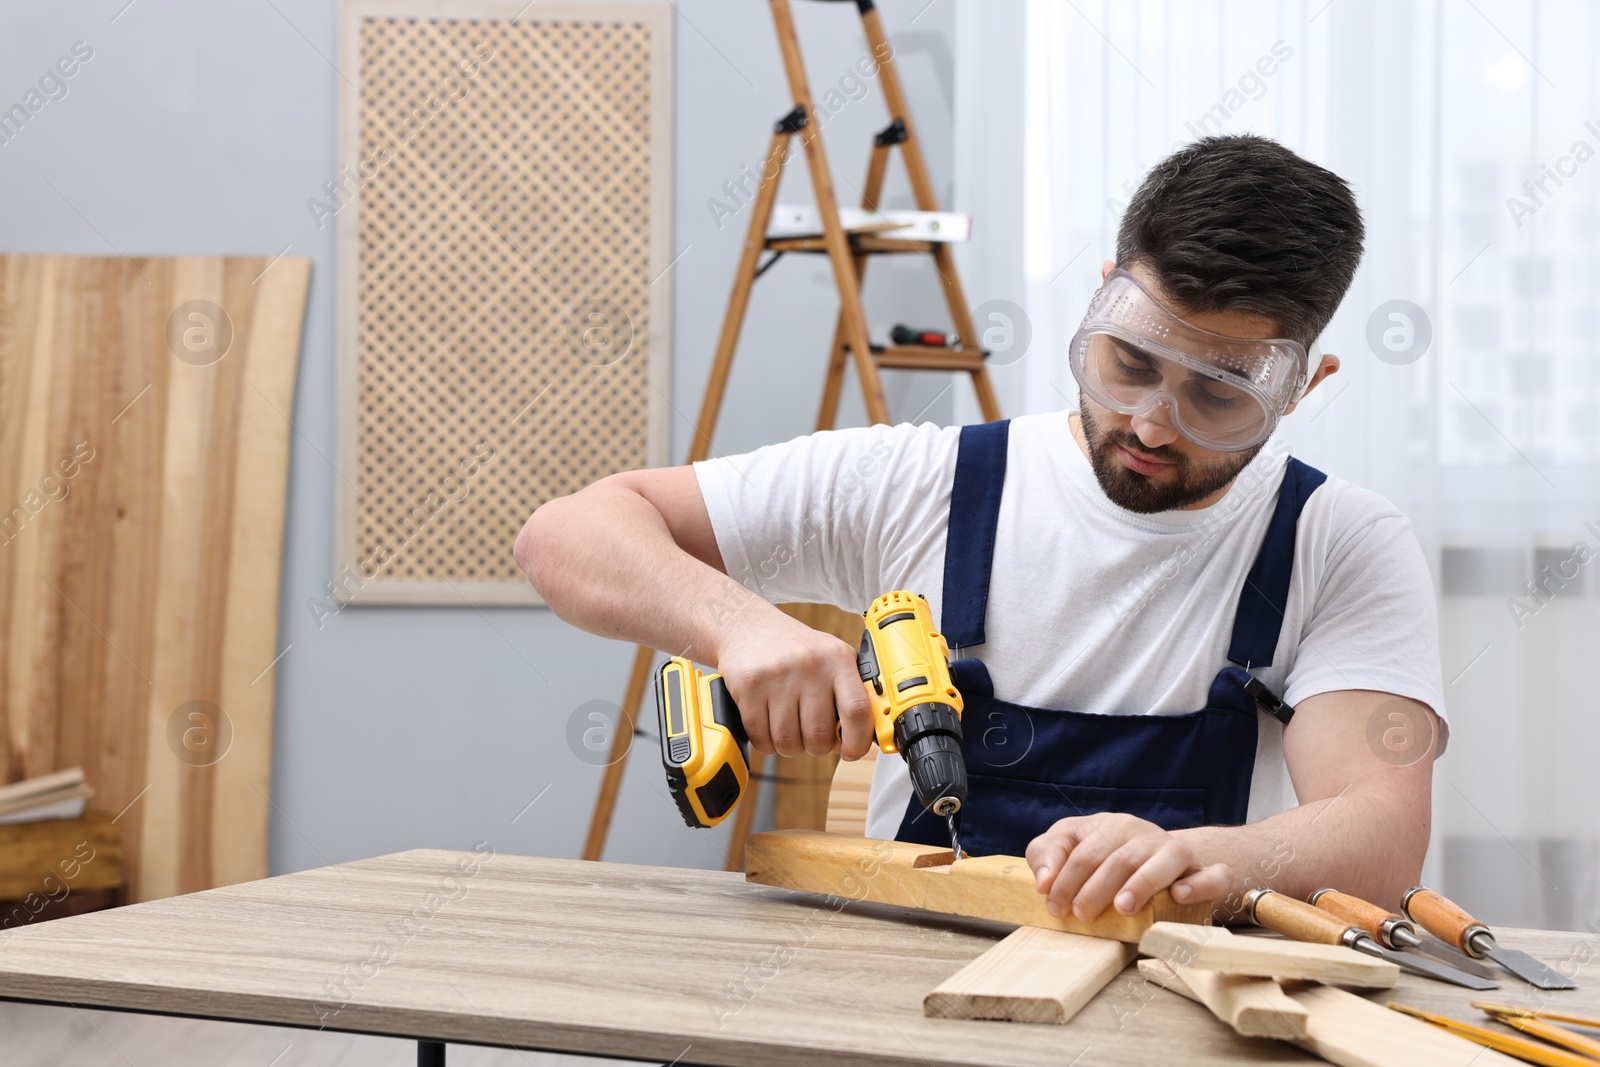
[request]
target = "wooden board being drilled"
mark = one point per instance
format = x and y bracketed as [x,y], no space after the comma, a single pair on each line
[924,876]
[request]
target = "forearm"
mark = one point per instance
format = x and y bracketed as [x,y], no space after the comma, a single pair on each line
[1365,844]
[605,561]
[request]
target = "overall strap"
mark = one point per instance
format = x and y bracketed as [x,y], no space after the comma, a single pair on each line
[969,543]
[1265,596]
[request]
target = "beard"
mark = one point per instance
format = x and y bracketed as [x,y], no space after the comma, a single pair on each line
[1188,482]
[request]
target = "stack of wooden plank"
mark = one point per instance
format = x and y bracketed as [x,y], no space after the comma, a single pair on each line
[59,795]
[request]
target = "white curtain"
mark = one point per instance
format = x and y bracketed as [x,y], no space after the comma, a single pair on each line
[1470,130]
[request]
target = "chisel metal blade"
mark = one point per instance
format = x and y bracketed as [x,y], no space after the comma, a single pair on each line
[1524,966]
[1425,967]
[1451,956]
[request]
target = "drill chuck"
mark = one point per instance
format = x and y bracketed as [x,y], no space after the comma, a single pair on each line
[929,736]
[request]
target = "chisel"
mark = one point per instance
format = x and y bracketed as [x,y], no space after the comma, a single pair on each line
[1298,920]
[1395,931]
[1446,921]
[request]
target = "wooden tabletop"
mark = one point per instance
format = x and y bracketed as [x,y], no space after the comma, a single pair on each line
[636,962]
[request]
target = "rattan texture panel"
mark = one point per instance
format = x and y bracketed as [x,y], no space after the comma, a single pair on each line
[502,342]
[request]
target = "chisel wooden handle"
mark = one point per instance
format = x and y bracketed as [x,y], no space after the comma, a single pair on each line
[1371,918]
[1295,918]
[1443,919]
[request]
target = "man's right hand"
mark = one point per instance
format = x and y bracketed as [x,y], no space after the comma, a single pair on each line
[792,685]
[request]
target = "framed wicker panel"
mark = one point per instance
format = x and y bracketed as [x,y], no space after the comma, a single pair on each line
[503,204]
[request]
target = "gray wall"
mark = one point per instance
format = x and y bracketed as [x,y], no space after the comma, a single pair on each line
[202,128]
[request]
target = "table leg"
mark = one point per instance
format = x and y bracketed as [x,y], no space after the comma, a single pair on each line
[430,1053]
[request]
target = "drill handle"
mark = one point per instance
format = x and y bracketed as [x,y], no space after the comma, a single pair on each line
[725,713]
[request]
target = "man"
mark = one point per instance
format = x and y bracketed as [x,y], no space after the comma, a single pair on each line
[1178,623]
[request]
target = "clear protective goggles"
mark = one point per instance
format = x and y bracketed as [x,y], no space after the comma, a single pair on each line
[1222,393]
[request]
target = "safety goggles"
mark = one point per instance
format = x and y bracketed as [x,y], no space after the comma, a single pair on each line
[1222,393]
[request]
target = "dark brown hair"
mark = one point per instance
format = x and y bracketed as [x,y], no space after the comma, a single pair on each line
[1241,223]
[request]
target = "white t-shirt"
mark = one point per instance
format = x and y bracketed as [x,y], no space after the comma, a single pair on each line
[1092,607]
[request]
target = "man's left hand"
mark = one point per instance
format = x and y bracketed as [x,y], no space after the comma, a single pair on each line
[1090,862]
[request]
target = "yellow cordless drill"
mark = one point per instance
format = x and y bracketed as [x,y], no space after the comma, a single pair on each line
[916,711]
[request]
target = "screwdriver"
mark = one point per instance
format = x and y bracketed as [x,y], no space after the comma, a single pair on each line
[1299,920]
[1447,921]
[1395,931]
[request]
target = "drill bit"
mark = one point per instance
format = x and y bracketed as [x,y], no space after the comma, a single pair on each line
[955,842]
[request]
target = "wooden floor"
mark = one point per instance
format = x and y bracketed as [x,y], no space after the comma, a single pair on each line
[34,1035]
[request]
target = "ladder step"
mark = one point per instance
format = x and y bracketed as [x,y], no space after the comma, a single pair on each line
[928,357]
[805,220]
[867,243]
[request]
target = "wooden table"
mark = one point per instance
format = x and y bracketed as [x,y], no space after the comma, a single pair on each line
[652,963]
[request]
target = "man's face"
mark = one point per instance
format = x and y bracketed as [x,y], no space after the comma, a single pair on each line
[1141,462]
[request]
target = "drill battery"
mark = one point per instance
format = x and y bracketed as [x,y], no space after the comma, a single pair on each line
[703,744]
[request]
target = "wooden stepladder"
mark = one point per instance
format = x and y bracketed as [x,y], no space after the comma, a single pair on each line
[847,252]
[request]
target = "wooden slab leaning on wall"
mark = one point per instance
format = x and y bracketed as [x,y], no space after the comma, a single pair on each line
[144,443]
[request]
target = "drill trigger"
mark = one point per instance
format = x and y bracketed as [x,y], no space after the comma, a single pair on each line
[867,663]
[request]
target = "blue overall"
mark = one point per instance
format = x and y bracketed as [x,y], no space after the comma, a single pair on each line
[1028,767]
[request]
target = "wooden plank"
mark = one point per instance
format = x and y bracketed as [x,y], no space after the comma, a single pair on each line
[59,856]
[847,798]
[242,782]
[177,619]
[30,375]
[919,876]
[142,574]
[1217,949]
[1254,1007]
[45,790]
[1351,1031]
[1162,973]
[1031,976]
[800,794]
